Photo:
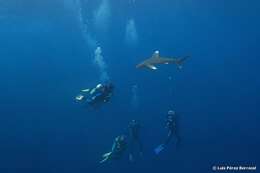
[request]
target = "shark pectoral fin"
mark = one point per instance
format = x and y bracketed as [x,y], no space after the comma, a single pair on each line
[152,67]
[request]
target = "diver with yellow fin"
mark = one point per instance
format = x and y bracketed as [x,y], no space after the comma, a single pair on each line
[99,94]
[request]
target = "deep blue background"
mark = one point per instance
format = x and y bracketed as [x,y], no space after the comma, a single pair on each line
[45,61]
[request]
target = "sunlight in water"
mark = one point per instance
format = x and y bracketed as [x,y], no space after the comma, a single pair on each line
[131,35]
[135,97]
[75,7]
[102,16]
[99,61]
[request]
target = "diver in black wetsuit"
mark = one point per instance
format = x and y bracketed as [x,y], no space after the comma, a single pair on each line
[99,94]
[134,133]
[102,94]
[118,148]
[171,126]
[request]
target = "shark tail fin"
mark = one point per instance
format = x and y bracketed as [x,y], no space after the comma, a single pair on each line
[180,61]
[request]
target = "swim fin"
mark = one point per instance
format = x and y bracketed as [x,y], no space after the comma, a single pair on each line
[106,154]
[79,97]
[158,149]
[85,90]
[106,157]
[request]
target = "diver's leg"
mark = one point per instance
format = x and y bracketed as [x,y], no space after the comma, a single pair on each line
[131,148]
[140,145]
[161,147]
[177,139]
[169,137]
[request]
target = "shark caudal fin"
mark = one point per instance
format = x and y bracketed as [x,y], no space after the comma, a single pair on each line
[179,62]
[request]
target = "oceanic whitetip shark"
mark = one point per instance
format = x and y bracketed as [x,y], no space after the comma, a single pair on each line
[157,59]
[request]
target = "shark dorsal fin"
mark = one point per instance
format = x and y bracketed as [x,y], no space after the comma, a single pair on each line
[156,54]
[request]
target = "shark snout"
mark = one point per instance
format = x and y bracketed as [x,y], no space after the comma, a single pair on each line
[138,66]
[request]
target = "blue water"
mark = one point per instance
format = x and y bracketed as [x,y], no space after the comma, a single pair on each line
[46,60]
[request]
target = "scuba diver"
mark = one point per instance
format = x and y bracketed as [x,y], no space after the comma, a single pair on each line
[171,126]
[134,133]
[118,148]
[99,94]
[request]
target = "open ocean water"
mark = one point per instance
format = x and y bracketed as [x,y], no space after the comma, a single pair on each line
[49,52]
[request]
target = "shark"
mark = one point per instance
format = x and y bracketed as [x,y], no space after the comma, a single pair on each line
[156,59]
